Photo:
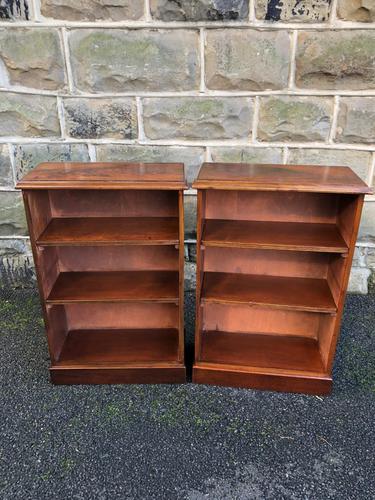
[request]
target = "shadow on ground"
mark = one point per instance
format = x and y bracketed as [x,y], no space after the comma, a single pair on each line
[184,441]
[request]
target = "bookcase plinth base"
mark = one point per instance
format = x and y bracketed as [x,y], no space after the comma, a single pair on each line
[245,378]
[118,375]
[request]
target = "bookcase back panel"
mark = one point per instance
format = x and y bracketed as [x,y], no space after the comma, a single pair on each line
[247,319]
[108,258]
[266,262]
[271,206]
[132,203]
[128,316]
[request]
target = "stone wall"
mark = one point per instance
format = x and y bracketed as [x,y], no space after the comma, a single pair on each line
[287,81]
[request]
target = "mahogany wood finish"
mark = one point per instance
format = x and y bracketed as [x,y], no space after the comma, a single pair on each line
[71,175]
[262,351]
[275,246]
[271,235]
[119,346]
[111,231]
[108,246]
[115,286]
[298,294]
[299,178]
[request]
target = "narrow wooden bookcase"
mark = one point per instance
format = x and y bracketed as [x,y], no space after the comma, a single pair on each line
[108,246]
[275,246]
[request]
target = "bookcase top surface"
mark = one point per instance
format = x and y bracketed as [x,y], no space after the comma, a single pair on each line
[259,177]
[114,175]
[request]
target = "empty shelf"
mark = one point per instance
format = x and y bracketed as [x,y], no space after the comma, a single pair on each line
[262,351]
[115,286]
[85,347]
[111,231]
[301,294]
[273,235]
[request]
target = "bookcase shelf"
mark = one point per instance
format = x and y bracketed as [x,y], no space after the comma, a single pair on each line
[274,250]
[108,246]
[115,286]
[110,231]
[306,237]
[262,351]
[91,347]
[299,294]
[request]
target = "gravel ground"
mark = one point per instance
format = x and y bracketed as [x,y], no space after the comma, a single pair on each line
[183,441]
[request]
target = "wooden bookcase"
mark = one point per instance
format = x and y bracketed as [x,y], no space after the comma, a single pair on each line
[275,246]
[108,246]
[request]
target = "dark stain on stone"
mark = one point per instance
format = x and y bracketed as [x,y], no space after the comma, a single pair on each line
[300,9]
[274,10]
[9,9]
[90,125]
[220,11]
[217,15]
[13,275]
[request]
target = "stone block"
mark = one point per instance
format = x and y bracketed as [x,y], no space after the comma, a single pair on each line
[336,60]
[247,59]
[6,175]
[295,11]
[118,60]
[16,263]
[27,115]
[246,155]
[367,226]
[15,10]
[359,257]
[358,280]
[370,258]
[193,118]
[284,118]
[358,161]
[98,118]
[12,214]
[192,157]
[356,10]
[32,57]
[15,247]
[190,276]
[200,10]
[356,120]
[28,156]
[93,10]
[190,216]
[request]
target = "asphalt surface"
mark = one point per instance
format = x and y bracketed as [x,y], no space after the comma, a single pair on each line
[183,441]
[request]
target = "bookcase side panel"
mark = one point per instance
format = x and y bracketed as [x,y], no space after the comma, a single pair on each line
[181,257]
[346,216]
[349,219]
[38,214]
[201,211]
[57,331]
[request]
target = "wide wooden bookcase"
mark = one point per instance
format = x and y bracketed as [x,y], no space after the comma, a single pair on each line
[108,246]
[275,246]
